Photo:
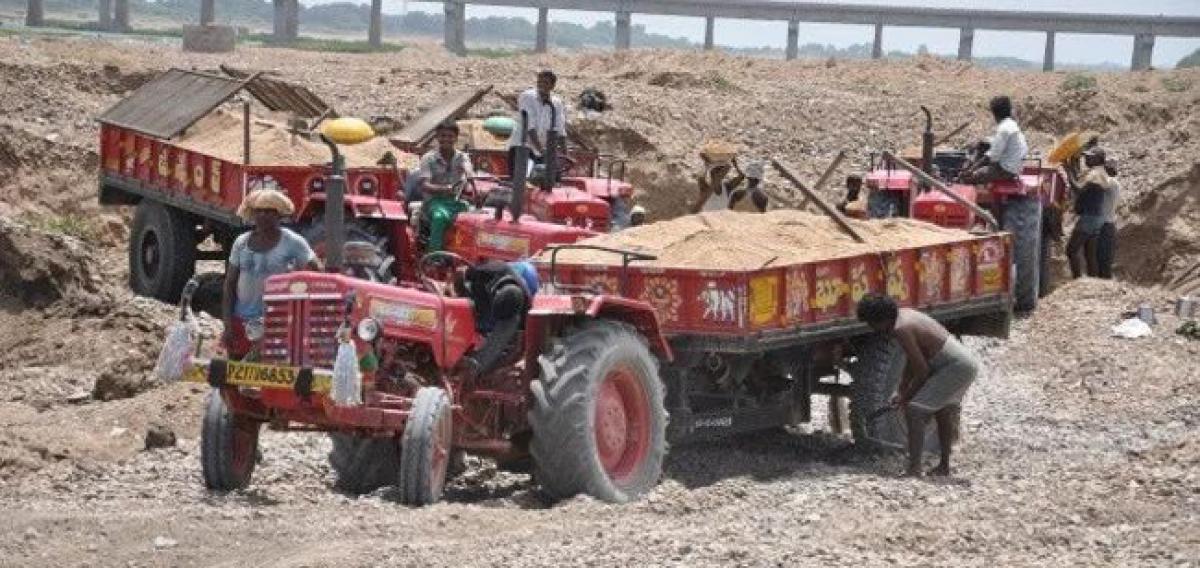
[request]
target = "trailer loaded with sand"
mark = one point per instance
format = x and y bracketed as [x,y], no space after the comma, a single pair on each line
[759,309]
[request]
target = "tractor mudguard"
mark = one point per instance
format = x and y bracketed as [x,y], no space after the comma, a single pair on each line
[638,314]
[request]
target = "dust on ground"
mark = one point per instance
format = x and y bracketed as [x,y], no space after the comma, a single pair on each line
[1080,448]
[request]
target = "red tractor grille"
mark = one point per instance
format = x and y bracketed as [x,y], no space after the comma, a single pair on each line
[302,332]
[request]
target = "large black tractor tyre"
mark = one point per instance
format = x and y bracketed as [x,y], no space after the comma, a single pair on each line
[883,204]
[876,374]
[228,446]
[1023,218]
[363,464]
[162,251]
[426,448]
[598,418]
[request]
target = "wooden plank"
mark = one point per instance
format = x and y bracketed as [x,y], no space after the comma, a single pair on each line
[419,131]
[812,196]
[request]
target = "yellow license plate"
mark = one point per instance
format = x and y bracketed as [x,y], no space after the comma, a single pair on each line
[262,376]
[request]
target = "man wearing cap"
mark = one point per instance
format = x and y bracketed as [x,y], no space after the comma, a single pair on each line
[637,216]
[543,113]
[1090,194]
[737,195]
[266,250]
[1006,151]
[440,171]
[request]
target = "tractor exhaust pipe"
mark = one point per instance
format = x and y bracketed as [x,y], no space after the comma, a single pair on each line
[335,199]
[927,143]
[520,168]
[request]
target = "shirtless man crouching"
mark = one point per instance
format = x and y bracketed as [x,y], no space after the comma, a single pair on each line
[938,372]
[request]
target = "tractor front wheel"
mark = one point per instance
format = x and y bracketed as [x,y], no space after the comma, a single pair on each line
[425,451]
[228,446]
[599,423]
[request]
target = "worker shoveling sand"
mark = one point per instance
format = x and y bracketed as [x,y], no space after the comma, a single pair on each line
[729,240]
[220,134]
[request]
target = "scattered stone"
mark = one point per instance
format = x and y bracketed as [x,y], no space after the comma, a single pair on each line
[159,436]
[163,543]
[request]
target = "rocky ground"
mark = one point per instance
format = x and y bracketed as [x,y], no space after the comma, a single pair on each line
[1080,448]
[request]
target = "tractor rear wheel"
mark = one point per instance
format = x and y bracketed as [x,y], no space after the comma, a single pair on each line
[1023,218]
[228,446]
[599,423]
[162,251]
[363,464]
[425,451]
[883,204]
[876,373]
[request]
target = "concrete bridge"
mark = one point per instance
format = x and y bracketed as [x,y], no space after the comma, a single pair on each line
[114,15]
[1144,29]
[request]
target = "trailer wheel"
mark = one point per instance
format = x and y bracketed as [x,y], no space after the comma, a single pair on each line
[425,452]
[228,446]
[162,251]
[882,204]
[1045,270]
[363,464]
[876,373]
[1023,218]
[599,424]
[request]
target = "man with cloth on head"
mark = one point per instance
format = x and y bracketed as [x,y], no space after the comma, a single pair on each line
[266,250]
[1091,191]
[938,371]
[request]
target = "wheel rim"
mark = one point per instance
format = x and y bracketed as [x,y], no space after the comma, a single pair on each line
[622,424]
[244,443]
[151,254]
[440,447]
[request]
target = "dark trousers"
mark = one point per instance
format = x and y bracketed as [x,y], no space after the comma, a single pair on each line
[1106,250]
[1081,253]
[988,174]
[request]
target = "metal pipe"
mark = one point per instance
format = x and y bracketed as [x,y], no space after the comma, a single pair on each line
[520,164]
[938,185]
[246,133]
[335,199]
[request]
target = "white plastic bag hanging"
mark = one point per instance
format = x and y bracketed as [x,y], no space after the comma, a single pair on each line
[347,379]
[175,359]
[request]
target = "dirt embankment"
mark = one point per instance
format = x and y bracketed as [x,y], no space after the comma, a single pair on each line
[1159,241]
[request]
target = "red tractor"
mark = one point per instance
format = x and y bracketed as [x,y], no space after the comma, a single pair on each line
[1029,207]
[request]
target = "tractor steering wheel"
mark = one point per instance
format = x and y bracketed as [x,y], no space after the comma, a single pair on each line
[460,189]
[565,165]
[451,260]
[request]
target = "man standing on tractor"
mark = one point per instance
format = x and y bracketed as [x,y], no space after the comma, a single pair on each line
[938,371]
[758,198]
[502,293]
[1091,192]
[1007,150]
[442,170]
[266,250]
[543,112]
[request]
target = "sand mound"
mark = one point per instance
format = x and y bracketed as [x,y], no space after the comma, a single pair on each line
[1160,239]
[731,240]
[220,135]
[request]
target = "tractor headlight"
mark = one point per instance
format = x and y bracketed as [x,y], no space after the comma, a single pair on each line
[255,330]
[368,329]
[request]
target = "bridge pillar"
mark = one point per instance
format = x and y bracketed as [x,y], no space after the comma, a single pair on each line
[543,30]
[1048,58]
[105,19]
[624,22]
[709,24]
[291,24]
[1143,52]
[793,42]
[375,27]
[208,12]
[877,45]
[455,39]
[35,13]
[121,16]
[966,41]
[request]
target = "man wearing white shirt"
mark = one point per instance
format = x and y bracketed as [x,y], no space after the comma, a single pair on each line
[1006,155]
[543,112]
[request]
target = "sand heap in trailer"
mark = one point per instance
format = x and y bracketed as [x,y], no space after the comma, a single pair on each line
[729,240]
[220,135]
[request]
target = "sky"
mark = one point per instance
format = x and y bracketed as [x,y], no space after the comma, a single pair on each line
[1069,48]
